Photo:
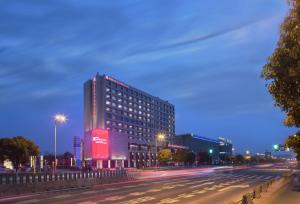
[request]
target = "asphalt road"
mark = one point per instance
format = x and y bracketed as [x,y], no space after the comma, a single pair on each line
[202,187]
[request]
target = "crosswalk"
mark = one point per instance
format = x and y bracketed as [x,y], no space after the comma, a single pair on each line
[147,192]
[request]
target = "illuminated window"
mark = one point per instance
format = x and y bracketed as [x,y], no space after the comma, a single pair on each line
[107,102]
[119,124]
[107,122]
[140,112]
[107,96]
[119,106]
[119,100]
[130,109]
[119,94]
[107,89]
[140,107]
[107,109]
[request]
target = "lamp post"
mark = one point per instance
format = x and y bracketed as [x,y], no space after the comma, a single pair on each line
[58,119]
[159,137]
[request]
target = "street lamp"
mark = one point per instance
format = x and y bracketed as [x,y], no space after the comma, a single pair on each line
[58,119]
[159,137]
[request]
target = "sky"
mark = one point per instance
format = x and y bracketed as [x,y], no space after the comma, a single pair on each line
[205,57]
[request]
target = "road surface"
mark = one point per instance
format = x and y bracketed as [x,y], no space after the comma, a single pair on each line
[189,186]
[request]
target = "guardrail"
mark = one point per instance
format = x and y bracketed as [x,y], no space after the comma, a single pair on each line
[24,178]
[12,184]
[258,190]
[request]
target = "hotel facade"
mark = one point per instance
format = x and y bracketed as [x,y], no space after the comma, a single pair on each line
[121,124]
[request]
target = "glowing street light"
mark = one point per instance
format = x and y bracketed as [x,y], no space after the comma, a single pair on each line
[58,119]
[159,137]
[210,151]
[276,146]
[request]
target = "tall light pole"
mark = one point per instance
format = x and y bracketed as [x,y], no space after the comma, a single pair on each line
[159,137]
[58,119]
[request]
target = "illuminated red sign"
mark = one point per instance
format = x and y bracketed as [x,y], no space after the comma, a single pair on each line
[100,144]
[117,82]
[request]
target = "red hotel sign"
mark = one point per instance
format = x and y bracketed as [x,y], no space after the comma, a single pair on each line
[100,144]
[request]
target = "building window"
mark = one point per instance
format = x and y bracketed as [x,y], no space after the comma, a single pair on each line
[107,102]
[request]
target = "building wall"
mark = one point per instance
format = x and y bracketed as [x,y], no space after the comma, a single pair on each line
[115,106]
[199,144]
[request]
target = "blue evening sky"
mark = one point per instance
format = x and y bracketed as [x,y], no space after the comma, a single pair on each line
[205,57]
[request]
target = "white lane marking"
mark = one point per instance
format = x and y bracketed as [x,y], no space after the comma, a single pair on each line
[169,187]
[277,177]
[199,191]
[168,200]
[137,193]
[28,201]
[62,196]
[203,184]
[260,177]
[268,177]
[113,198]
[153,190]
[138,200]
[235,186]
[185,195]
[210,188]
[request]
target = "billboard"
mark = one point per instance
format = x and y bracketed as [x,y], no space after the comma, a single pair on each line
[100,144]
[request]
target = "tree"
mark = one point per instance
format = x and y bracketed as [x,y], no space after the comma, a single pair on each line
[293,142]
[164,155]
[190,158]
[17,150]
[282,71]
[239,159]
[179,155]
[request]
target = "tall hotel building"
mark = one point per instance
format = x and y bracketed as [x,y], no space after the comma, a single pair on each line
[128,121]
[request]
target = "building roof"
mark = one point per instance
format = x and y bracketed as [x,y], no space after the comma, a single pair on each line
[199,137]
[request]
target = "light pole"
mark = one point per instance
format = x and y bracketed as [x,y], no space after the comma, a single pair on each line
[58,119]
[159,137]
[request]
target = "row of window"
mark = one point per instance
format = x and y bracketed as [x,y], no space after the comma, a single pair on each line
[138,97]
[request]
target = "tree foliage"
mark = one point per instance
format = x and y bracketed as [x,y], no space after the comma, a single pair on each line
[282,71]
[179,155]
[293,142]
[17,150]
[164,155]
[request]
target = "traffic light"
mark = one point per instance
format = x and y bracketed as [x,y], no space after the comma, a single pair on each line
[210,151]
[276,147]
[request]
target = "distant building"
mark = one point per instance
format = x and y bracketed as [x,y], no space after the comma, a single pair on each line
[77,150]
[225,149]
[200,145]
[121,123]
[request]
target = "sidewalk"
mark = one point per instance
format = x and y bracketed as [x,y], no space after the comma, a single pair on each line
[282,192]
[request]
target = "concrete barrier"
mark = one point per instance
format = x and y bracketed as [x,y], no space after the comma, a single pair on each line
[256,193]
[247,199]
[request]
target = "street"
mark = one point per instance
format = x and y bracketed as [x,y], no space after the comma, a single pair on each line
[195,186]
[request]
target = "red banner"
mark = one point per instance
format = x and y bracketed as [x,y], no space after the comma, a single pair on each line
[100,144]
